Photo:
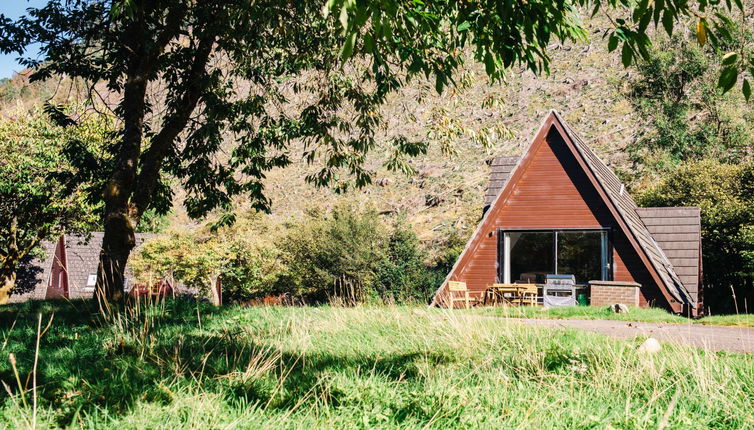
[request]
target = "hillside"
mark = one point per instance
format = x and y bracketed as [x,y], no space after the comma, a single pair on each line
[585,86]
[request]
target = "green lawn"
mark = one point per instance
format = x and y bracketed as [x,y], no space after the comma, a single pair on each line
[604,313]
[184,365]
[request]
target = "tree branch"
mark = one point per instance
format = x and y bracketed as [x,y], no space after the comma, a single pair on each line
[154,156]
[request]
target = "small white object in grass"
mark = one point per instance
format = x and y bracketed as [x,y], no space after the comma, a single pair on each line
[619,308]
[650,346]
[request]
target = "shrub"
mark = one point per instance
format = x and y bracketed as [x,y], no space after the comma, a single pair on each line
[251,270]
[188,258]
[335,254]
[241,256]
[725,194]
[402,275]
[349,254]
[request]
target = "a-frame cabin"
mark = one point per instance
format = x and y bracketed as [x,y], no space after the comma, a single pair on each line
[560,209]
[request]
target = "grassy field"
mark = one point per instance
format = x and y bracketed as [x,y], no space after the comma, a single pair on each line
[183,365]
[655,315]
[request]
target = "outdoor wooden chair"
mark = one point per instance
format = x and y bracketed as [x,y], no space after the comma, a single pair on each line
[460,293]
[528,294]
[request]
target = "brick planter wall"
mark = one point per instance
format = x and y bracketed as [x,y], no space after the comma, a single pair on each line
[604,293]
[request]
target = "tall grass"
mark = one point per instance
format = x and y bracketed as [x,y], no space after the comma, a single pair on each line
[186,365]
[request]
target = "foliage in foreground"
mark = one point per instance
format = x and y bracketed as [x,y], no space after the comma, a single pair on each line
[184,365]
[725,195]
[41,194]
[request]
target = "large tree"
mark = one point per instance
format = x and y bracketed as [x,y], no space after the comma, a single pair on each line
[41,196]
[204,87]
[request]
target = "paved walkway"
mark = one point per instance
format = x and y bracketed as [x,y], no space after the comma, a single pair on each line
[713,338]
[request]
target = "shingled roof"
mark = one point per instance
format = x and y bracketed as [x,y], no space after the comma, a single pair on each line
[83,259]
[500,170]
[677,230]
[503,167]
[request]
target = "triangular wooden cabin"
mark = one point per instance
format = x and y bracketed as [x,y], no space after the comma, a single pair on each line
[560,209]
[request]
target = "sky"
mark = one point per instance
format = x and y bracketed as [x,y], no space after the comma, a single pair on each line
[14,9]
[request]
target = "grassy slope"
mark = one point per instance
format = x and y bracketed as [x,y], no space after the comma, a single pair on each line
[189,367]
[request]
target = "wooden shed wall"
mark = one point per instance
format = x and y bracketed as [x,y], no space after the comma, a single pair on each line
[550,190]
[678,232]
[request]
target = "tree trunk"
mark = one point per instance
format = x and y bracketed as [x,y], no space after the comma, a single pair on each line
[121,217]
[117,243]
[7,282]
[126,198]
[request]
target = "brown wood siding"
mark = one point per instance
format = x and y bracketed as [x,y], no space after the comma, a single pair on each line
[550,191]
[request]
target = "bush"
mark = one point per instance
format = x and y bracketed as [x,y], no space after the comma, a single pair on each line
[336,254]
[349,254]
[725,194]
[355,256]
[248,265]
[190,259]
[251,270]
[402,275]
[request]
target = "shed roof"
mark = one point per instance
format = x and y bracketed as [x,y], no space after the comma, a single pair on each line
[677,230]
[500,170]
[83,258]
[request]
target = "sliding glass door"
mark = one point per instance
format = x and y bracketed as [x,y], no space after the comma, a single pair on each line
[528,256]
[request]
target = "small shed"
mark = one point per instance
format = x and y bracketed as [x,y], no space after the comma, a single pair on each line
[558,209]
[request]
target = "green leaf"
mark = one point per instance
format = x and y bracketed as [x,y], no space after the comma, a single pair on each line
[658,9]
[626,55]
[344,17]
[439,83]
[369,45]
[667,22]
[347,49]
[746,89]
[612,43]
[463,26]
[489,63]
[728,78]
[730,58]
[645,20]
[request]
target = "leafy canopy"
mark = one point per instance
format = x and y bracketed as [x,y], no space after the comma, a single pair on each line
[40,194]
[687,117]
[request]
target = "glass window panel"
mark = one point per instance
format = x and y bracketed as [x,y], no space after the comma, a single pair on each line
[531,256]
[580,254]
